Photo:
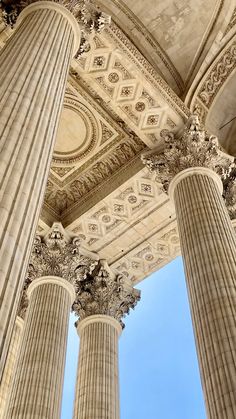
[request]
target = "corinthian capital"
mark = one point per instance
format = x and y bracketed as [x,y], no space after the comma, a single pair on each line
[58,253]
[195,147]
[104,292]
[91,20]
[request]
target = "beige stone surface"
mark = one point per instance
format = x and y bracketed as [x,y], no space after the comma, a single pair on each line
[103,298]
[37,385]
[97,387]
[9,369]
[118,105]
[208,244]
[33,72]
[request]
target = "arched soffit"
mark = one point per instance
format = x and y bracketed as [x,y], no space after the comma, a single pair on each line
[215,68]
[214,98]
[173,36]
[221,118]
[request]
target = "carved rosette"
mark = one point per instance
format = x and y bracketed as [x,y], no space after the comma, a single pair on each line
[104,293]
[90,19]
[194,148]
[59,254]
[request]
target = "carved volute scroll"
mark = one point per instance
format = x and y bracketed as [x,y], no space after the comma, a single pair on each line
[59,254]
[195,147]
[104,292]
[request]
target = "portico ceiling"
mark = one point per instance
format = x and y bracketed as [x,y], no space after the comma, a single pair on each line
[121,98]
[174,35]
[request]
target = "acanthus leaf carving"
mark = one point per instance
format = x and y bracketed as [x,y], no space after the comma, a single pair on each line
[194,148]
[104,292]
[59,254]
[90,19]
[229,189]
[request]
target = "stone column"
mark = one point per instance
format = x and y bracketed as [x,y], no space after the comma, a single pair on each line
[97,393]
[9,370]
[38,380]
[33,72]
[10,364]
[208,245]
[102,299]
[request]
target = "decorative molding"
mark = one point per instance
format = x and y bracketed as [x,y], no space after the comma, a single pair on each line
[139,26]
[120,51]
[89,180]
[232,22]
[218,74]
[151,255]
[195,148]
[92,132]
[105,293]
[117,212]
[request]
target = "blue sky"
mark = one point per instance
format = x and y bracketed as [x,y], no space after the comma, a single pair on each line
[159,377]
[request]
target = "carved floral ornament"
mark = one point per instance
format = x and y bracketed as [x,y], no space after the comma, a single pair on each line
[229,189]
[59,254]
[98,289]
[106,293]
[195,147]
[90,19]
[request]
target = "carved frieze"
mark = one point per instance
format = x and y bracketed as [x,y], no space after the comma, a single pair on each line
[62,199]
[218,74]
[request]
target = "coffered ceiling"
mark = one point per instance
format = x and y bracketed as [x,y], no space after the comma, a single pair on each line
[121,98]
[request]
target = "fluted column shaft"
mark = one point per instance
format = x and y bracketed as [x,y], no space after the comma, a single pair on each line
[37,385]
[33,72]
[208,245]
[10,364]
[97,388]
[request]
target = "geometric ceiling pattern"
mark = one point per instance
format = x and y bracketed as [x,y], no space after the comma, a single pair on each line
[140,79]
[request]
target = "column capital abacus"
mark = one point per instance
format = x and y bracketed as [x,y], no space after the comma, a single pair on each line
[86,19]
[105,293]
[192,151]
